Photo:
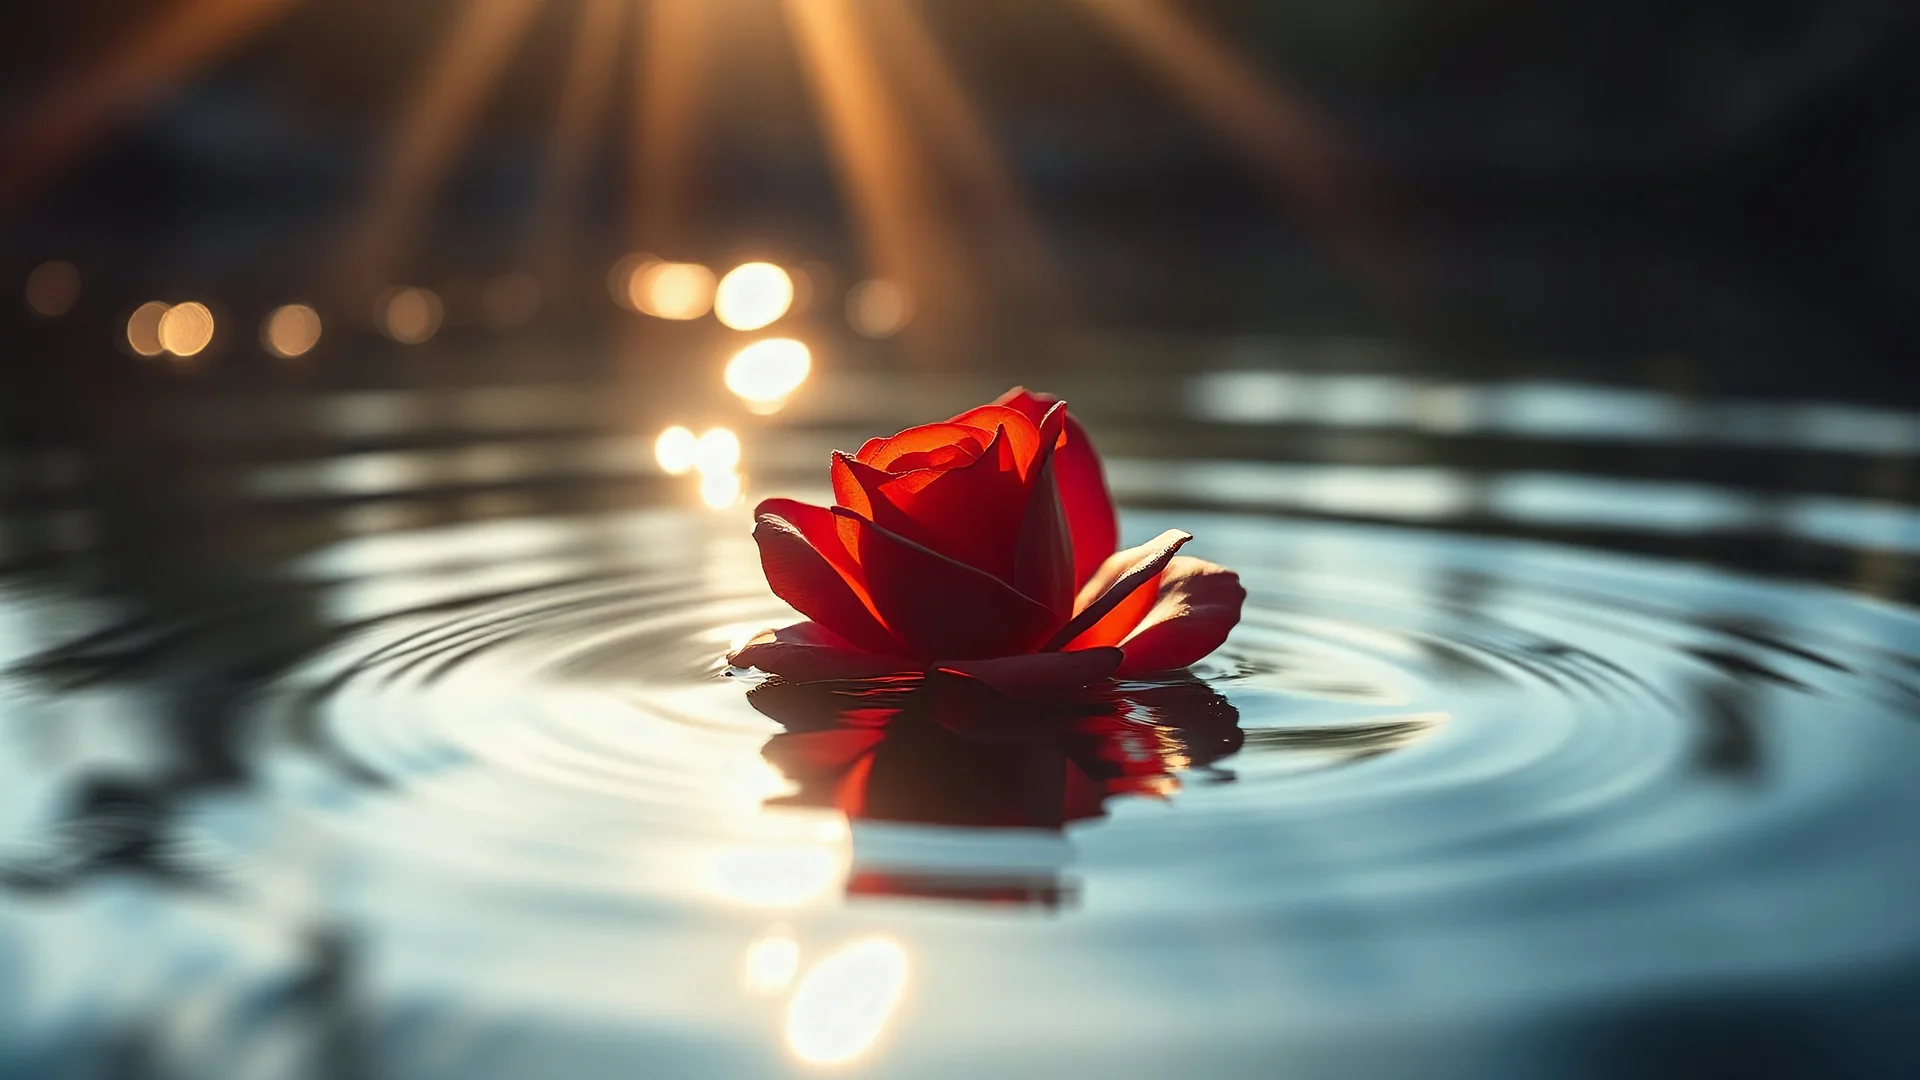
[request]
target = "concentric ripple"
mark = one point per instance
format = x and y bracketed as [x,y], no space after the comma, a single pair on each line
[1472,772]
[1438,798]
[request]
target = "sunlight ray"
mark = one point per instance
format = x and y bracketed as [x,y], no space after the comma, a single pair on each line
[583,102]
[966,146]
[431,127]
[145,65]
[1266,122]
[884,178]
[674,39]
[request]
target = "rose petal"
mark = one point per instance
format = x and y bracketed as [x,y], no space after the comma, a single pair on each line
[970,514]
[938,607]
[1198,604]
[1043,565]
[808,565]
[809,652]
[1083,487]
[882,453]
[940,458]
[1114,601]
[1023,431]
[1039,675]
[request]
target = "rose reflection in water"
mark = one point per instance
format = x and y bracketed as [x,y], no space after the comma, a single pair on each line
[950,752]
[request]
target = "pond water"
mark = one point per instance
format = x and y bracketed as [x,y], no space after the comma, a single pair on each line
[1519,762]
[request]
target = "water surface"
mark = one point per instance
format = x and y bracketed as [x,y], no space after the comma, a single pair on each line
[412,795]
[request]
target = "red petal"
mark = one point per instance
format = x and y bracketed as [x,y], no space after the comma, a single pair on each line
[1083,487]
[951,456]
[941,608]
[809,652]
[1197,605]
[809,566]
[1040,675]
[848,491]
[918,440]
[1043,566]
[970,514]
[1117,597]
[1023,430]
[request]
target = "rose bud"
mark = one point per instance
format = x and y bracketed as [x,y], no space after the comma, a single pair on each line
[982,546]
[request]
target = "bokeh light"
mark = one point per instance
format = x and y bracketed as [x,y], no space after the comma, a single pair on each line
[410,315]
[752,295]
[840,1008]
[291,330]
[718,451]
[143,328]
[52,289]
[766,373]
[620,277]
[720,489]
[676,450]
[185,329]
[879,308]
[670,290]
[771,962]
[509,300]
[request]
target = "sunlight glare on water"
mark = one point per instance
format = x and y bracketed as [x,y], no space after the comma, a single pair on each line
[844,1002]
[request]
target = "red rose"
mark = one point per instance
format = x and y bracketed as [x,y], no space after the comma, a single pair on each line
[982,546]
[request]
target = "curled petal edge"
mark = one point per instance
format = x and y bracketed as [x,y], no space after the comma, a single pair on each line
[809,652]
[1198,605]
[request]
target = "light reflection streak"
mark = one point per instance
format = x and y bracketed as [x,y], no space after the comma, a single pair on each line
[842,1004]
[431,126]
[1548,410]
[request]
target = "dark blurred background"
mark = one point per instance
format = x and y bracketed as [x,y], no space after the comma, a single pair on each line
[1730,183]
[1637,242]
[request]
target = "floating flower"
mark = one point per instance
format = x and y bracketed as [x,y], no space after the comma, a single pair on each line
[982,546]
